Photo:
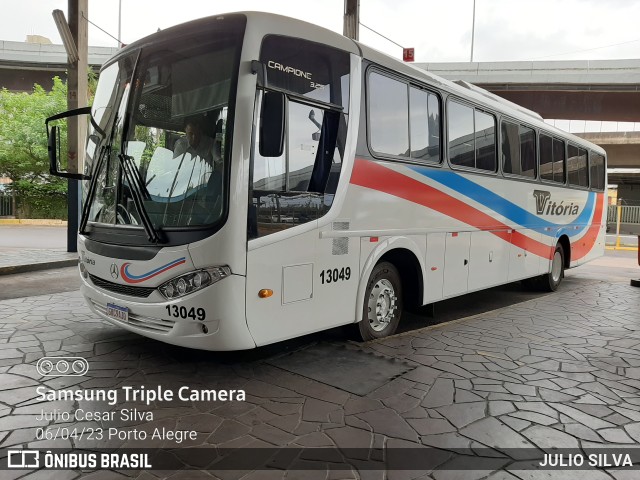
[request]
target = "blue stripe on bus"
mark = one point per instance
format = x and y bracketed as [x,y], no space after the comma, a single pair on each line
[152,272]
[506,208]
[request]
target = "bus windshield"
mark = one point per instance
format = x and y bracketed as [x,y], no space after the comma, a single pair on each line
[164,109]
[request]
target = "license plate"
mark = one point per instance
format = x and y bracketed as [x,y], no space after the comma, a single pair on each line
[118,312]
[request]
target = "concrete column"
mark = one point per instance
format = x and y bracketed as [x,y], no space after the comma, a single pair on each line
[77,97]
[351,26]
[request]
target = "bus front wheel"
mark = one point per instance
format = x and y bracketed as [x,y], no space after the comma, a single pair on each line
[382,303]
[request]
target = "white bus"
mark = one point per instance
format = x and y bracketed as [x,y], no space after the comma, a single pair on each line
[250,178]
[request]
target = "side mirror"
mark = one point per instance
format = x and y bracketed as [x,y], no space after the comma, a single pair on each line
[315,136]
[272,124]
[53,143]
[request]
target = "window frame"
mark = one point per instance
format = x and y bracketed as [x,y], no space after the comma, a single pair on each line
[288,192]
[429,92]
[474,108]
[536,133]
[312,44]
[408,83]
[592,154]
[300,100]
[369,123]
[552,137]
[586,151]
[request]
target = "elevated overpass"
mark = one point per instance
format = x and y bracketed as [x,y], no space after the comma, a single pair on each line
[623,154]
[607,90]
[601,90]
[22,64]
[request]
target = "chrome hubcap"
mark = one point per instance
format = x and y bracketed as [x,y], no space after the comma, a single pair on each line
[556,267]
[381,305]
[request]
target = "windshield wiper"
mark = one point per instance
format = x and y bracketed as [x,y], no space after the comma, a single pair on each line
[135,183]
[136,186]
[132,169]
[138,193]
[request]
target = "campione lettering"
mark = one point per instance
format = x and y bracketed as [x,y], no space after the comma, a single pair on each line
[287,69]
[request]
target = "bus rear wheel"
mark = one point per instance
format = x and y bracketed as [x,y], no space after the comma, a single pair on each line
[549,282]
[382,307]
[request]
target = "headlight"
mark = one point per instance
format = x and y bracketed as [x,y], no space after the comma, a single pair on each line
[193,281]
[83,270]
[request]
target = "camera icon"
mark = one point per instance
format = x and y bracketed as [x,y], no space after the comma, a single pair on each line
[23,458]
[62,366]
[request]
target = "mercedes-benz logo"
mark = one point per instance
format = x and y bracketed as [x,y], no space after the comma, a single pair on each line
[114,271]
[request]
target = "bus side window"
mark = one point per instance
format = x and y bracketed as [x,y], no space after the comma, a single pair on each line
[597,171]
[298,186]
[305,124]
[558,161]
[424,110]
[546,157]
[327,155]
[485,131]
[461,135]
[528,152]
[577,170]
[518,150]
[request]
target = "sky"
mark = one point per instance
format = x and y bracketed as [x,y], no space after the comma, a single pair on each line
[440,31]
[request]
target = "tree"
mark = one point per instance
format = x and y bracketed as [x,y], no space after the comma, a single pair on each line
[23,145]
[23,139]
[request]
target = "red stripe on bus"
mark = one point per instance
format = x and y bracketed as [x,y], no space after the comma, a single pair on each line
[582,246]
[371,175]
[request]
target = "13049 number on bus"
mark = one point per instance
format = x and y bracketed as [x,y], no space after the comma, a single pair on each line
[184,312]
[335,275]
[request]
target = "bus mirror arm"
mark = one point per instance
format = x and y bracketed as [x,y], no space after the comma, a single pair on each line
[53,143]
[260,69]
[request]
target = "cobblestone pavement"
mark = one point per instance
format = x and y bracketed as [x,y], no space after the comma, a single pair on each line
[559,371]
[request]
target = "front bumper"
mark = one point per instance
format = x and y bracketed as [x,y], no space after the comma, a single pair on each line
[225,321]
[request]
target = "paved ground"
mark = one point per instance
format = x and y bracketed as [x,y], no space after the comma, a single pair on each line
[14,261]
[29,284]
[628,240]
[17,237]
[555,371]
[25,248]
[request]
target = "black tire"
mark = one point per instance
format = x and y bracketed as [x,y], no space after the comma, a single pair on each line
[382,306]
[549,282]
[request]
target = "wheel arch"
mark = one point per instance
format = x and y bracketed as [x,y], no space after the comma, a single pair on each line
[406,256]
[563,240]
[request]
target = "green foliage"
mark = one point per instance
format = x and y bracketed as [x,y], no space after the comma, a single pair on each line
[92,84]
[42,200]
[23,149]
[23,139]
